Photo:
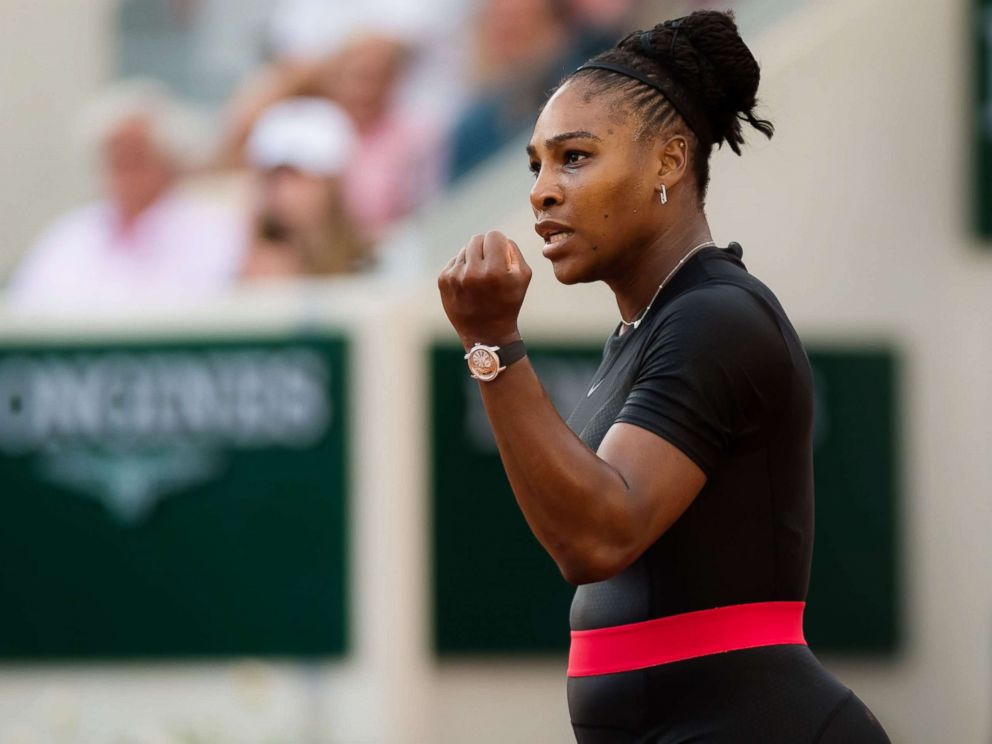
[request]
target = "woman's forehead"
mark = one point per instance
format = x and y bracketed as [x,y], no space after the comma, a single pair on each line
[572,109]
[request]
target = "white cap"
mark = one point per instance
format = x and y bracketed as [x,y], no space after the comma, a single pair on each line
[310,134]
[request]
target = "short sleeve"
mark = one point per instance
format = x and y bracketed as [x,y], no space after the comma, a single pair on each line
[709,373]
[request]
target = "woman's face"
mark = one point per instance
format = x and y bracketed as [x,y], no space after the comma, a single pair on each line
[595,194]
[296,199]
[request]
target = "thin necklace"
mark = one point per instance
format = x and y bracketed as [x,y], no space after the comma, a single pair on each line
[636,322]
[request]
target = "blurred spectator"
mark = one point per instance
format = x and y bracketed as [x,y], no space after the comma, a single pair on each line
[399,164]
[523,48]
[142,243]
[311,29]
[357,56]
[300,149]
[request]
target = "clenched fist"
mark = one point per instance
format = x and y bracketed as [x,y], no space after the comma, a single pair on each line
[483,287]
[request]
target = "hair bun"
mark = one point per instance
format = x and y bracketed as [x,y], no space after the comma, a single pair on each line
[697,68]
[706,52]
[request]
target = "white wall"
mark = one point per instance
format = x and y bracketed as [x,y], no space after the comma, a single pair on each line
[54,55]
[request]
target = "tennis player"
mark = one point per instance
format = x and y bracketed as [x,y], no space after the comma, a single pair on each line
[678,497]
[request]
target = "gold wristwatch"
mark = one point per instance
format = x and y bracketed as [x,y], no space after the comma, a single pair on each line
[486,362]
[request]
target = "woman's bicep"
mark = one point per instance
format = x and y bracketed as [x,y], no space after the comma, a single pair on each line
[661,482]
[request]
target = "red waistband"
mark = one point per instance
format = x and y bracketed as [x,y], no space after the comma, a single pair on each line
[622,648]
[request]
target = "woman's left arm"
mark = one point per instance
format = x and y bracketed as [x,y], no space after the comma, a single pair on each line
[594,512]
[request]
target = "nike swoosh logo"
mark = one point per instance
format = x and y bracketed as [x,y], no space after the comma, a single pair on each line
[593,388]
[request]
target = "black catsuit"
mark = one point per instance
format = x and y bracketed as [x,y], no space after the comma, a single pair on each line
[717,370]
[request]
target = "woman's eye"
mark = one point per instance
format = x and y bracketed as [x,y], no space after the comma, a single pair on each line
[535,168]
[574,156]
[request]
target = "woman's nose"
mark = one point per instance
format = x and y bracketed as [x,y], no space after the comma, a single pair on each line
[546,192]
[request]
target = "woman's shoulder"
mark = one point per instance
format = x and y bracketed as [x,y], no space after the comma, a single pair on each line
[727,314]
[725,303]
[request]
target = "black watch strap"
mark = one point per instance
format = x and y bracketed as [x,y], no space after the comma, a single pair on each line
[512,352]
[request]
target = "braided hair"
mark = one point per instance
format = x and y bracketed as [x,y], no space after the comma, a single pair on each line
[704,65]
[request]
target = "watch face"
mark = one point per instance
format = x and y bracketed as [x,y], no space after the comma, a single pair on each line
[483,363]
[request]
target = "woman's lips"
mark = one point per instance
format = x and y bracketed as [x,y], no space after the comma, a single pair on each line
[555,241]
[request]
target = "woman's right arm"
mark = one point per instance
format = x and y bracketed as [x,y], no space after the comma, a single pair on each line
[594,512]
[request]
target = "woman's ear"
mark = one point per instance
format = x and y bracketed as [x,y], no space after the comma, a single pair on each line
[673,158]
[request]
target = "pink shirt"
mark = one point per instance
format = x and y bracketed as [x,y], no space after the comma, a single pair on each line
[177,251]
[397,168]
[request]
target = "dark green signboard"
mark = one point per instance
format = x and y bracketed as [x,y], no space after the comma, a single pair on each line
[853,603]
[173,500]
[497,592]
[982,117]
[495,589]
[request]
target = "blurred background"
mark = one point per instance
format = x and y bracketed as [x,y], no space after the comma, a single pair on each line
[249,494]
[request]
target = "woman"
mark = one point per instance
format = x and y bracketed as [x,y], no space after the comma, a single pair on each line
[299,151]
[679,497]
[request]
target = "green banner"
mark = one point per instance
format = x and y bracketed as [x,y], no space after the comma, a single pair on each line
[495,589]
[854,600]
[497,592]
[981,162]
[173,500]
